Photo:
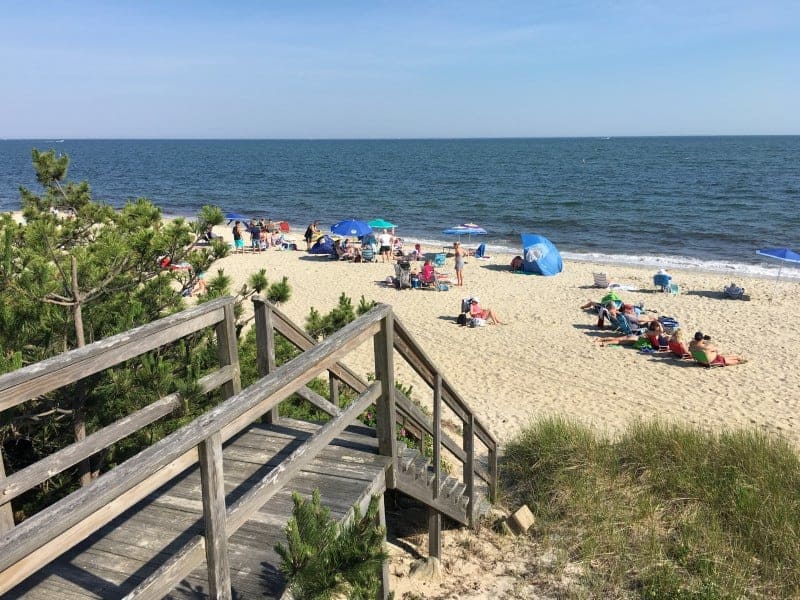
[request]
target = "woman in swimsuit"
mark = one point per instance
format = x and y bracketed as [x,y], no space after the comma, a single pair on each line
[460,254]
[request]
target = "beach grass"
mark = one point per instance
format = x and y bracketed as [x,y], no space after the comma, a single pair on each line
[663,511]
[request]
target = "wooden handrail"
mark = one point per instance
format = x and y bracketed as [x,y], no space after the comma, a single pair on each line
[419,361]
[42,470]
[43,377]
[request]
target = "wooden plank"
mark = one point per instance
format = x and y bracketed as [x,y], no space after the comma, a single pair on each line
[163,580]
[6,512]
[303,341]
[385,412]
[321,403]
[437,440]
[228,351]
[232,415]
[412,411]
[216,535]
[265,345]
[425,368]
[40,471]
[265,489]
[469,467]
[434,533]
[493,473]
[16,566]
[53,373]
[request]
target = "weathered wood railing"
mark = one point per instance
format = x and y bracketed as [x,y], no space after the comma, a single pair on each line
[269,318]
[44,536]
[28,546]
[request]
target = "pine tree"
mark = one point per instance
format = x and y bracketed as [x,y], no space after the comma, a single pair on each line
[76,271]
[321,560]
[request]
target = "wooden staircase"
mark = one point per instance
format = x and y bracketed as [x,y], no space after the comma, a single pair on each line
[61,546]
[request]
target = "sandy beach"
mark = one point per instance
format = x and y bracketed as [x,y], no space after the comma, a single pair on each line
[545,361]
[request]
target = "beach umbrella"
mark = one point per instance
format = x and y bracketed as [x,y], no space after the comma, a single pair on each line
[381,224]
[468,229]
[232,216]
[781,254]
[351,228]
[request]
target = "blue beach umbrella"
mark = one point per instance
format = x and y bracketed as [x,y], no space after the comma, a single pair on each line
[351,228]
[781,254]
[468,229]
[232,216]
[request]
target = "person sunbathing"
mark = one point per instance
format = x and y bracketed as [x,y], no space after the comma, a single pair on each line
[701,342]
[656,335]
[487,314]
[678,345]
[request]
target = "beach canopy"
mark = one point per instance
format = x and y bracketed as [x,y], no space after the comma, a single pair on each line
[351,228]
[381,224]
[232,216]
[540,255]
[323,245]
[781,254]
[465,229]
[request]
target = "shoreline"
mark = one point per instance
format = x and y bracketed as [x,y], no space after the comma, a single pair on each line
[758,267]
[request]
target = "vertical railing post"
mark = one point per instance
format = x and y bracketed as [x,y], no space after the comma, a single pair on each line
[385,411]
[228,351]
[216,535]
[434,516]
[493,473]
[469,465]
[383,589]
[6,512]
[265,346]
[333,386]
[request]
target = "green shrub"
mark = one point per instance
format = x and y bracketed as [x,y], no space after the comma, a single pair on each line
[321,559]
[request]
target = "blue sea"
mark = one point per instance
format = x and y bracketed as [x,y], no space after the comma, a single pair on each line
[683,202]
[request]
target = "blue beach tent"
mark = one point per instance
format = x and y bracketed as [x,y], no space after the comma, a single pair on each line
[323,245]
[540,255]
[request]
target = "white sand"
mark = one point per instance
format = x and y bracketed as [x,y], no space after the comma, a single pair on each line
[544,362]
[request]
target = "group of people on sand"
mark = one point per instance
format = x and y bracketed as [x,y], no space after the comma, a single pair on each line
[264,234]
[630,320]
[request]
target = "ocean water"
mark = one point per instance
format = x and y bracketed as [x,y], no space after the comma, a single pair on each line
[708,202]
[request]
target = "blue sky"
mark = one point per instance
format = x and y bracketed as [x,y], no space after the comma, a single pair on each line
[402,69]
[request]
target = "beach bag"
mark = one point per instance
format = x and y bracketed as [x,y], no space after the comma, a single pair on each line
[462,319]
[477,322]
[443,287]
[465,305]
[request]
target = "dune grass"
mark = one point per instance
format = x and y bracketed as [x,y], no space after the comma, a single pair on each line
[664,511]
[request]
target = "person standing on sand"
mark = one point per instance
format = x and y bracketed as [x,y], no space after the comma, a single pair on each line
[460,254]
[238,242]
[385,242]
[311,231]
